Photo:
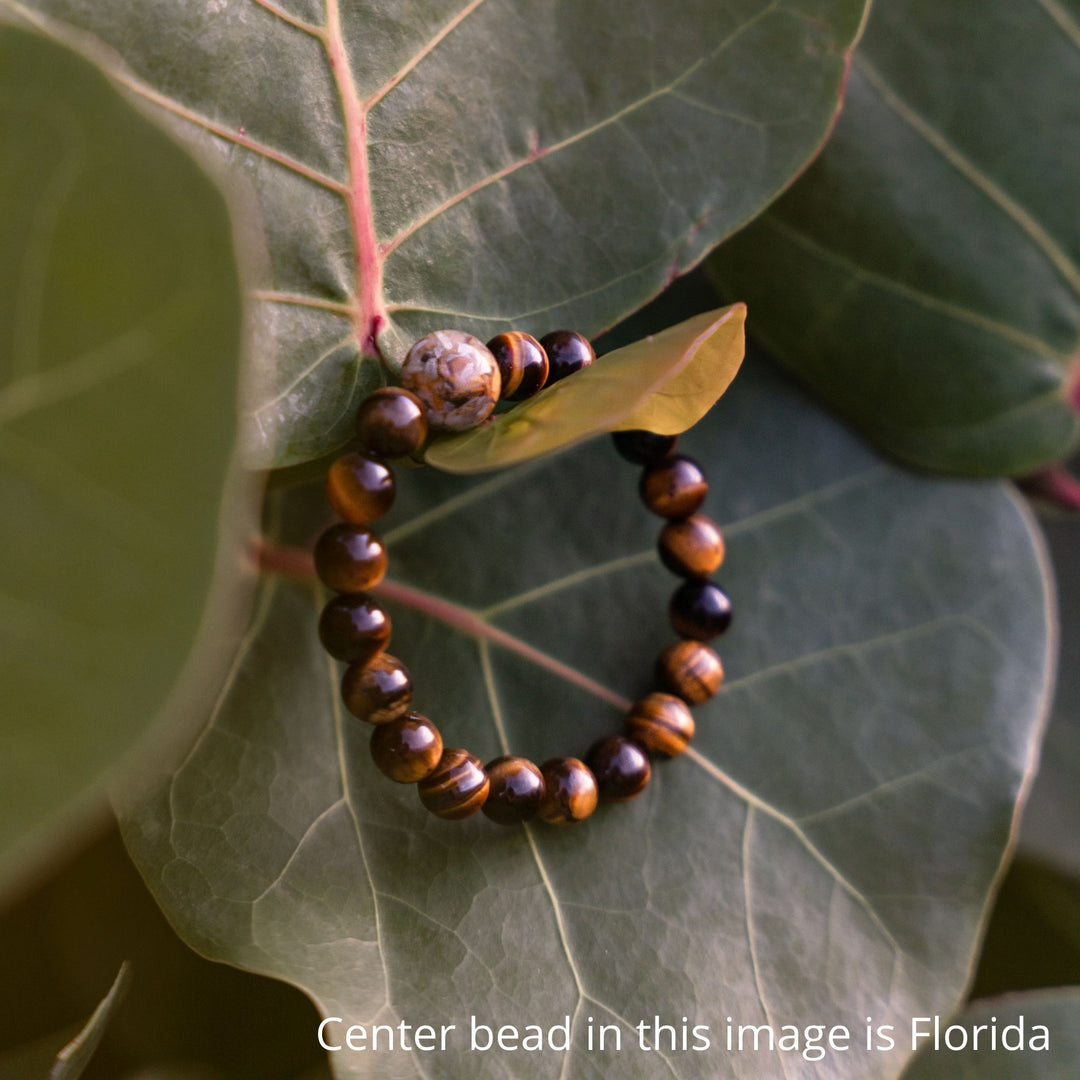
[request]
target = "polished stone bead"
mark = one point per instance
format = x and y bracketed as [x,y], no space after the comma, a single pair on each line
[407,749]
[691,548]
[516,790]
[690,670]
[523,364]
[359,488]
[349,558]
[662,724]
[457,787]
[353,628]
[643,447]
[620,766]
[455,376]
[570,792]
[700,610]
[567,352]
[391,422]
[378,691]
[674,487]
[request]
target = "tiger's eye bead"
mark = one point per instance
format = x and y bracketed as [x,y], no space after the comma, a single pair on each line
[570,792]
[516,790]
[674,487]
[662,724]
[700,610]
[353,628]
[643,447]
[567,352]
[456,378]
[620,766]
[349,558]
[378,691]
[690,670]
[359,488]
[407,749]
[523,364]
[391,422]
[692,548]
[457,787]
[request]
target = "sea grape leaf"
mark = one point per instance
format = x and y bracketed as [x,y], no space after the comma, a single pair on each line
[825,851]
[119,341]
[924,275]
[479,164]
[665,383]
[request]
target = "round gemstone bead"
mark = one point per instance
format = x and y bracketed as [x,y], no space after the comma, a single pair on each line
[523,364]
[700,610]
[353,628]
[457,787]
[620,766]
[643,447]
[391,422]
[662,724]
[456,378]
[407,749]
[674,487]
[567,352]
[690,670]
[359,488]
[349,558]
[691,548]
[517,787]
[570,792]
[378,691]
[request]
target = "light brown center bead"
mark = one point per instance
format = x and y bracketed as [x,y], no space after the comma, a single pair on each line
[455,376]
[407,749]
[691,670]
[378,691]
[693,548]
[662,724]
[674,487]
[570,792]
[516,789]
[359,488]
[457,787]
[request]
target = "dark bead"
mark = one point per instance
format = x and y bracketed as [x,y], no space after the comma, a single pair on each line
[457,787]
[378,691]
[516,790]
[391,422]
[674,487]
[522,362]
[349,558]
[662,724]
[407,749]
[693,548]
[620,766]
[643,447]
[359,488]
[567,352]
[570,792]
[353,628]
[691,670]
[700,610]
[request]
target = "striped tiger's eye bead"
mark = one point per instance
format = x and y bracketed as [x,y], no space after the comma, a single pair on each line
[690,670]
[700,610]
[567,352]
[522,362]
[620,766]
[516,790]
[378,691]
[457,787]
[349,558]
[662,724]
[391,422]
[570,792]
[674,487]
[692,548]
[407,749]
[643,447]
[353,628]
[359,488]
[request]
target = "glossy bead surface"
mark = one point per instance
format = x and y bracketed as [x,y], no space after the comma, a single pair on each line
[692,548]
[674,487]
[567,352]
[349,558]
[700,610]
[620,766]
[353,628]
[516,790]
[391,422]
[457,787]
[378,691]
[643,447]
[359,488]
[662,724]
[523,364]
[455,376]
[570,792]
[690,670]
[407,749]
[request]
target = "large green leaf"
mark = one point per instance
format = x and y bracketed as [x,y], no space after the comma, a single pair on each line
[826,851]
[119,339]
[924,276]
[474,163]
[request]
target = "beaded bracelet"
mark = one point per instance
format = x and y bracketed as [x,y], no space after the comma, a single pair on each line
[452,381]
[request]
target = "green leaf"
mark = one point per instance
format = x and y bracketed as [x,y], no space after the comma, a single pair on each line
[119,339]
[924,276]
[480,164]
[72,1060]
[665,383]
[826,850]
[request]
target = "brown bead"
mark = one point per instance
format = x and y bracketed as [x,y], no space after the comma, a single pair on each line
[522,362]
[570,792]
[693,548]
[391,422]
[620,766]
[700,610]
[353,628]
[690,670]
[662,724]
[567,352]
[457,787]
[359,488]
[378,691]
[349,558]
[674,487]
[407,749]
[643,447]
[516,790]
